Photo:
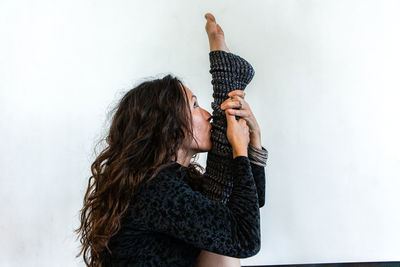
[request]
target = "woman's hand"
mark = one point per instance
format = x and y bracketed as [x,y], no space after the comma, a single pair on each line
[238,135]
[237,98]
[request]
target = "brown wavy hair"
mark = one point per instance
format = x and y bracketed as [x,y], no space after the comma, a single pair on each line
[147,129]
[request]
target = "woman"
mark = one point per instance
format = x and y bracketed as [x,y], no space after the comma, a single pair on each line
[148,205]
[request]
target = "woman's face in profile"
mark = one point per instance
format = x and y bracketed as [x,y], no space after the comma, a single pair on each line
[201,125]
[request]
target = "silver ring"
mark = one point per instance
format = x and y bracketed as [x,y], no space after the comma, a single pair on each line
[240,105]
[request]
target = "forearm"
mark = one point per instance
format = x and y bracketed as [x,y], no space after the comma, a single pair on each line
[255,139]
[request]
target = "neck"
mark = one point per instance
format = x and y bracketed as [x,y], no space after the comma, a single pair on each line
[184,157]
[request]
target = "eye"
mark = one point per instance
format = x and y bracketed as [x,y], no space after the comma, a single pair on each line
[195,104]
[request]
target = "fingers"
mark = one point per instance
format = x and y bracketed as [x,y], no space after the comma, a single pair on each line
[230,118]
[237,112]
[230,104]
[240,93]
[234,102]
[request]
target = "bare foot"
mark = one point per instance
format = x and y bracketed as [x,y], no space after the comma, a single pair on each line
[216,36]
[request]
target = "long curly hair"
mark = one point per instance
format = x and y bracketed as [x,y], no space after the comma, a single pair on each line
[149,125]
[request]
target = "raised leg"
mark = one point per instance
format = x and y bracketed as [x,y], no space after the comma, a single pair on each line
[229,72]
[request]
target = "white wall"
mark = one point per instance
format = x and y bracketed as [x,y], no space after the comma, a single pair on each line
[325,93]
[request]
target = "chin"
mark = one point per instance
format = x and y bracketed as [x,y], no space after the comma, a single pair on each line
[209,147]
[205,148]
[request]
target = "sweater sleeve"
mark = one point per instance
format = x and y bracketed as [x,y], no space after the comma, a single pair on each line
[232,229]
[259,179]
[258,156]
[229,72]
[258,159]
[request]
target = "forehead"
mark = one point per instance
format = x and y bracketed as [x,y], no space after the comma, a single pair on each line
[189,93]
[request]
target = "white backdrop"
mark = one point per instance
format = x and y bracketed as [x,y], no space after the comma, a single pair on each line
[325,93]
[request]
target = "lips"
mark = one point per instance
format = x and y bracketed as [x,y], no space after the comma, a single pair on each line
[209,120]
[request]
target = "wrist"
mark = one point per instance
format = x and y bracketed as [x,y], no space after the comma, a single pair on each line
[255,140]
[239,152]
[255,131]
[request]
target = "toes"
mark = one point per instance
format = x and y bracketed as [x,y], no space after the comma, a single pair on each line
[219,28]
[209,16]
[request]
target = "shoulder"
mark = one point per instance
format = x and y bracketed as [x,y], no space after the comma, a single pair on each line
[168,178]
[166,192]
[164,186]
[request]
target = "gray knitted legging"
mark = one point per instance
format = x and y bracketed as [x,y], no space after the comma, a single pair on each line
[229,72]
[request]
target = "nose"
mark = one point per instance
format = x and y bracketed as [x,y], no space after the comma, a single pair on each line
[208,115]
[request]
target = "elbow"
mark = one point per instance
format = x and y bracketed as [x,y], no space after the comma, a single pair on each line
[251,248]
[261,202]
[251,251]
[255,250]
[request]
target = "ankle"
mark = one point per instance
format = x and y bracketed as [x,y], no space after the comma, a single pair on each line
[216,48]
[219,46]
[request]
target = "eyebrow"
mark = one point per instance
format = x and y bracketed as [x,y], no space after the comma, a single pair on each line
[194,96]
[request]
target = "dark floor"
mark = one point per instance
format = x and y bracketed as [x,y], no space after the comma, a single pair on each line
[347,264]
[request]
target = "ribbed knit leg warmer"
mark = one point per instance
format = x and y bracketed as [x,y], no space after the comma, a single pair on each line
[229,72]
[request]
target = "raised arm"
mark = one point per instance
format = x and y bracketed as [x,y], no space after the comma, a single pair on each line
[178,211]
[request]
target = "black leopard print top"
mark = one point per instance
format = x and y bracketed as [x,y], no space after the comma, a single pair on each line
[168,223]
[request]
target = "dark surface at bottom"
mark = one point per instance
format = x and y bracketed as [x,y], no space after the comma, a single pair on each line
[344,264]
